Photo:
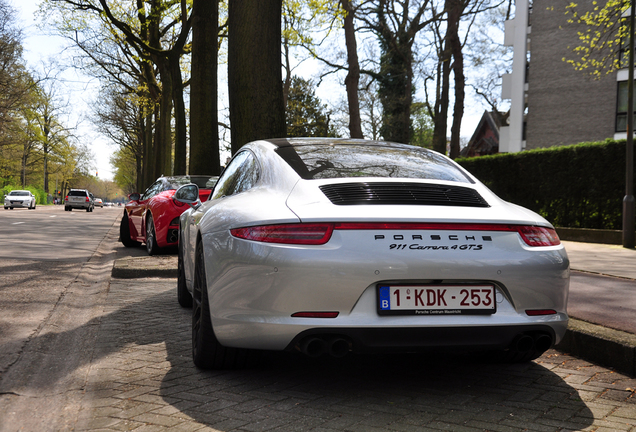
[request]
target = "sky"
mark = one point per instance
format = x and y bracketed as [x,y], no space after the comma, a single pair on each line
[78,90]
[81,90]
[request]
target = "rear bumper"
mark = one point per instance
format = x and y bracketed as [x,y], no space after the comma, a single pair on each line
[78,205]
[18,204]
[409,339]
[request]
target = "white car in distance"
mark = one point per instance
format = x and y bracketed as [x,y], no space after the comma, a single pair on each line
[19,199]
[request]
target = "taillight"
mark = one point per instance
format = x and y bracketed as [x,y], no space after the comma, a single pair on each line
[540,312]
[315,314]
[538,236]
[87,199]
[304,234]
[66,198]
[320,233]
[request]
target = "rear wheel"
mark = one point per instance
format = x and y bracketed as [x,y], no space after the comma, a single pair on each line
[151,236]
[124,232]
[183,295]
[207,352]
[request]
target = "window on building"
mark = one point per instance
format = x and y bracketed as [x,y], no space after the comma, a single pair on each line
[621,107]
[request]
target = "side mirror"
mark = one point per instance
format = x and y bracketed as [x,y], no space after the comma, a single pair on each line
[188,194]
[134,196]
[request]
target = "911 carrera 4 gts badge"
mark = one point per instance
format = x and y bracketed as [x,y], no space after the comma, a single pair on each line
[416,246]
[435,238]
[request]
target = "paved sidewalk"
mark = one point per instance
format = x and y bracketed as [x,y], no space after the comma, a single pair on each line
[602,305]
[610,260]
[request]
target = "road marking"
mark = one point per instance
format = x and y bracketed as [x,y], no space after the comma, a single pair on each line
[17,223]
[53,216]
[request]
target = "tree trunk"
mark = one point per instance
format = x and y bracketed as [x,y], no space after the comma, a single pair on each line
[441,114]
[254,71]
[454,16]
[286,65]
[163,126]
[204,133]
[353,76]
[180,123]
[149,159]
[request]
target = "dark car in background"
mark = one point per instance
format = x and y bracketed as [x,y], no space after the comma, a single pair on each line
[153,217]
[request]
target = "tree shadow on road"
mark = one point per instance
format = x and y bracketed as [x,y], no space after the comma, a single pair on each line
[144,352]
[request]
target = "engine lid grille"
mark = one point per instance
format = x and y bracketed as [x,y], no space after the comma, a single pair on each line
[402,193]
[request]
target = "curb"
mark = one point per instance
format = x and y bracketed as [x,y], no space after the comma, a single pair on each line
[601,345]
[145,267]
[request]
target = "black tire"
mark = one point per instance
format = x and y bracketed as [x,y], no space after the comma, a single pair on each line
[88,209]
[151,236]
[124,233]
[207,352]
[183,295]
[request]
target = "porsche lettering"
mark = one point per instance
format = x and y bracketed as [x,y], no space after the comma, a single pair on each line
[434,237]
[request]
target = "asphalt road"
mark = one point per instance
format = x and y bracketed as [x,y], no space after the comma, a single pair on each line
[46,256]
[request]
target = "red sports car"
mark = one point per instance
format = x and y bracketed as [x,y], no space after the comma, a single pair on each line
[153,218]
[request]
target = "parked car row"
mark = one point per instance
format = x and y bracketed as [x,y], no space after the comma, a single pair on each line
[330,246]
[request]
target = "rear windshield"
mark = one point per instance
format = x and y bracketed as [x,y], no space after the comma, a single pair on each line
[204,182]
[77,193]
[352,160]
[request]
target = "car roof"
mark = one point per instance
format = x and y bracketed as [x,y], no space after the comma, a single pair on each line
[295,142]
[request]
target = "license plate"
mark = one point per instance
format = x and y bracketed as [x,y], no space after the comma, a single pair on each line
[436,299]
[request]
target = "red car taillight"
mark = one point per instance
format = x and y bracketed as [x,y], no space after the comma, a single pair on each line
[320,233]
[66,198]
[87,199]
[305,234]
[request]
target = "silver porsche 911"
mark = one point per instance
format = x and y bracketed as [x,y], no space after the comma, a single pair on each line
[330,246]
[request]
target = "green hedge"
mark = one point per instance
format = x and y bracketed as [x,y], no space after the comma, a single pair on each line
[577,186]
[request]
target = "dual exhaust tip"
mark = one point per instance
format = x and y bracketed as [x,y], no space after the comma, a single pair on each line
[315,346]
[525,343]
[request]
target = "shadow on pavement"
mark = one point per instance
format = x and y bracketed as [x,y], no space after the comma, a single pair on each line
[142,370]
